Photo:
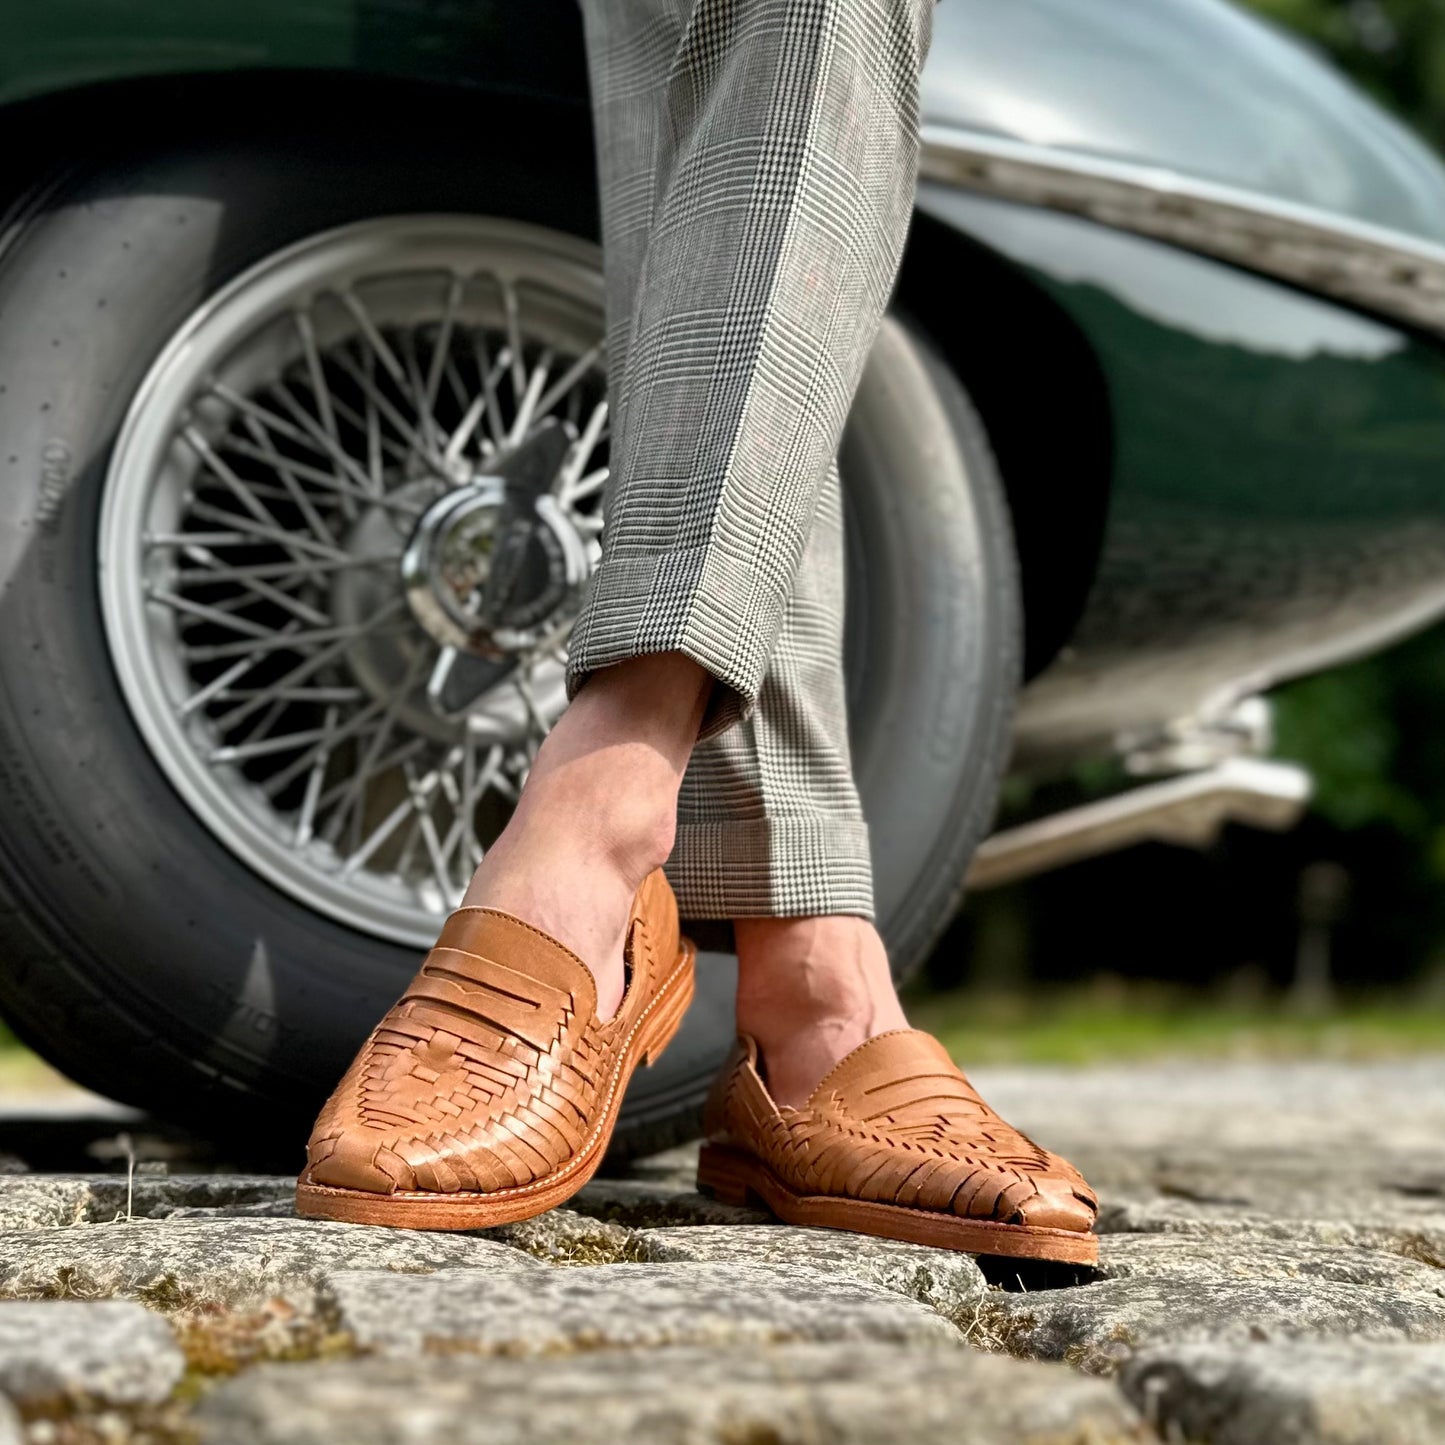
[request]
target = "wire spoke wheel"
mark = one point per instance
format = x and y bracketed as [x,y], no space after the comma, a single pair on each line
[302,544]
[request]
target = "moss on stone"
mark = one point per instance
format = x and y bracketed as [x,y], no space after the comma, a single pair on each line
[218,1343]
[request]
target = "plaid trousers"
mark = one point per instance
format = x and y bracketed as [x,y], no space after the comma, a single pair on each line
[757,163]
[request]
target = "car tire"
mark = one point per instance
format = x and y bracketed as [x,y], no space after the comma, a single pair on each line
[139,954]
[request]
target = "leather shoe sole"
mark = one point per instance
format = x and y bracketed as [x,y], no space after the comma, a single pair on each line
[733,1177]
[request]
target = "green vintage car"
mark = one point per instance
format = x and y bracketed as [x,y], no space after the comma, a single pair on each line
[1157,422]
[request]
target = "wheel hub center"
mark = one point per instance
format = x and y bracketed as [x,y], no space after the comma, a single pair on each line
[494,567]
[485,582]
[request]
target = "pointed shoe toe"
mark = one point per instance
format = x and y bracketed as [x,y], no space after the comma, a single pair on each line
[357,1159]
[1057,1204]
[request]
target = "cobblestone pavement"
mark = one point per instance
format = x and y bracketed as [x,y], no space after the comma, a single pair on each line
[1272,1273]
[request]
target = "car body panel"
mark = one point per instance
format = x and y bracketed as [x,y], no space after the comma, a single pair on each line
[1197,87]
[68,44]
[1277,500]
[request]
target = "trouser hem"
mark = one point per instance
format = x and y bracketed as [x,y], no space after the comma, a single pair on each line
[716,610]
[773,868]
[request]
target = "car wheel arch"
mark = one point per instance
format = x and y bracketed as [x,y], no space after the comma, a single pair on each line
[1010,343]
[137,114]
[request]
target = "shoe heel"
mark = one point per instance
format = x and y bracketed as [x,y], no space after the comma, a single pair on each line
[668,1019]
[721,1174]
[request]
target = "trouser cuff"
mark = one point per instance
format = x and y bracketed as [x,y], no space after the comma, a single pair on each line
[772,868]
[716,610]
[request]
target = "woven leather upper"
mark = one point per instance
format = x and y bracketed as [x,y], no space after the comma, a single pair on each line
[896,1122]
[492,1072]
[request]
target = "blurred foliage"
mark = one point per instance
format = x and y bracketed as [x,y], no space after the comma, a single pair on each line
[1343,725]
[1371,733]
[1109,1020]
[1394,48]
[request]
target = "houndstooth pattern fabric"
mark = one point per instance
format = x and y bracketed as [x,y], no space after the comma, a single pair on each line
[757,161]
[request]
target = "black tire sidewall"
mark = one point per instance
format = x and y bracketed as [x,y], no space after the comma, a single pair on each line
[935,633]
[175,977]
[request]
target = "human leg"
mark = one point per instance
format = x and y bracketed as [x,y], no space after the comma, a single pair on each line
[779,161]
[735,349]
[753,154]
[756,161]
[598,812]
[724,544]
[770,834]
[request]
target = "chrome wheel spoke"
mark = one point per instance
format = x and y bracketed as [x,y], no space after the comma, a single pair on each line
[319,388]
[259,516]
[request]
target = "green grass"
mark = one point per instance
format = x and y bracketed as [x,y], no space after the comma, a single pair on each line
[1105,1023]
[22,1074]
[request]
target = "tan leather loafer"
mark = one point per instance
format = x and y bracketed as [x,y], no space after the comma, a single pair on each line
[489,1092]
[895,1142]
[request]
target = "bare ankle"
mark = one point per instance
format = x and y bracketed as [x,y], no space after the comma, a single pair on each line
[609,811]
[608,774]
[810,990]
[598,812]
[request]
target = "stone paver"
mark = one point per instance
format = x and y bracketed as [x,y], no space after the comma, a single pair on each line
[631,1305]
[42,1201]
[1419,1237]
[1331,1393]
[952,1283]
[1285,1183]
[1263,1107]
[111,1352]
[644,1203]
[1099,1325]
[1272,1272]
[800,1394]
[562,1236]
[1207,1258]
[180,1263]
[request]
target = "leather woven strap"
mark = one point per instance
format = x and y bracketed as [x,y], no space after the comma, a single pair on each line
[896,1122]
[481,1078]
[492,1070]
[464,985]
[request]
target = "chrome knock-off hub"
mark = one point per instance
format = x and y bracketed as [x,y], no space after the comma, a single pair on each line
[495,568]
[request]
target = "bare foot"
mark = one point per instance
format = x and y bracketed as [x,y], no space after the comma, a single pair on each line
[810,990]
[598,812]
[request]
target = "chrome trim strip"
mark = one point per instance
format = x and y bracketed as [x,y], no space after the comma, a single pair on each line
[1371,267]
[1189,811]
